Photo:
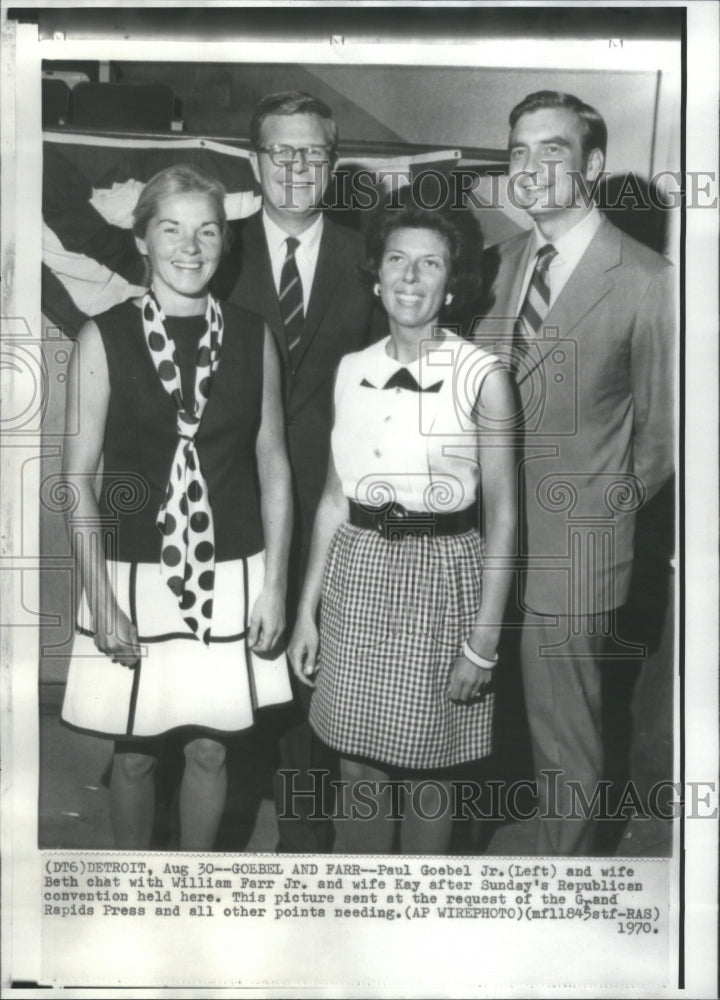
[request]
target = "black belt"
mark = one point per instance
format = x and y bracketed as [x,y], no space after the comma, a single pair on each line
[396,522]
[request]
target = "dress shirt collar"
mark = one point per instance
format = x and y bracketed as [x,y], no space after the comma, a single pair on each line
[308,240]
[572,244]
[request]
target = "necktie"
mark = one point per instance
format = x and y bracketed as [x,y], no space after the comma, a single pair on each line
[291,298]
[536,304]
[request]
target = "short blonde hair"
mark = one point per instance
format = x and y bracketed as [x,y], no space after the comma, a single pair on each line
[180,179]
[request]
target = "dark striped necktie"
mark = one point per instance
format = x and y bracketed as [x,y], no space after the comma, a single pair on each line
[291,298]
[536,304]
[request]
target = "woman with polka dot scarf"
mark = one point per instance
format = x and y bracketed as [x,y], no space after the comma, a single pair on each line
[181,544]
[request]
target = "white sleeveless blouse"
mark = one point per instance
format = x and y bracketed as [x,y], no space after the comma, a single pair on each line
[419,449]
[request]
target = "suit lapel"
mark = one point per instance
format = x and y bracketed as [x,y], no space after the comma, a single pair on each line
[495,333]
[517,262]
[256,285]
[328,272]
[588,284]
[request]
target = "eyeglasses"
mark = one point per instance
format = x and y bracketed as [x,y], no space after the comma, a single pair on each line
[314,156]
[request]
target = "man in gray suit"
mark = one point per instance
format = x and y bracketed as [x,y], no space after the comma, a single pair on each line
[586,314]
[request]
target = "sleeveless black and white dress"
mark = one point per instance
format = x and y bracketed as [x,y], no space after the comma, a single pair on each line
[179,681]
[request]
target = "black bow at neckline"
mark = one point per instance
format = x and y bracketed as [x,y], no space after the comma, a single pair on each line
[404,379]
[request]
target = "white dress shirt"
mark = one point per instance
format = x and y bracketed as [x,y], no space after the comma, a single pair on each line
[570,248]
[306,255]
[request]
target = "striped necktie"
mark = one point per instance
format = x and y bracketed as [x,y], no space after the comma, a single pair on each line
[291,298]
[536,304]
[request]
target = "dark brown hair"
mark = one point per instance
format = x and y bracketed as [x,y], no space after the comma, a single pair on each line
[594,129]
[458,227]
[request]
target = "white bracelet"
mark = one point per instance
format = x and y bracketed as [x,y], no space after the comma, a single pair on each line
[475,658]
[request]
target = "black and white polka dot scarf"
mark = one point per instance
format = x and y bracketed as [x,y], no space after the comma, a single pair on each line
[185,518]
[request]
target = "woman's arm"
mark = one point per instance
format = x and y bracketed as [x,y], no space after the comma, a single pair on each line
[89,395]
[332,511]
[267,619]
[498,475]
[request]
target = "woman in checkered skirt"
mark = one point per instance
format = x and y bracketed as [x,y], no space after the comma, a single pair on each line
[409,621]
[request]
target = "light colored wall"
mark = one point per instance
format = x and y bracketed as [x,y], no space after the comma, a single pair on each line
[470,106]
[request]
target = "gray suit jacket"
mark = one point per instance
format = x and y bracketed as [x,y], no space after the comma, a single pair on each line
[598,416]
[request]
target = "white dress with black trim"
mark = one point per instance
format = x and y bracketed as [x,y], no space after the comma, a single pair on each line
[395,612]
[179,680]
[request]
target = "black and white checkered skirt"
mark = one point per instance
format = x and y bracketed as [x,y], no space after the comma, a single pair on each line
[393,617]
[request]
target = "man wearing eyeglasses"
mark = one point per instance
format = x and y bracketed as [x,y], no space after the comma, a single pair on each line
[298,270]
